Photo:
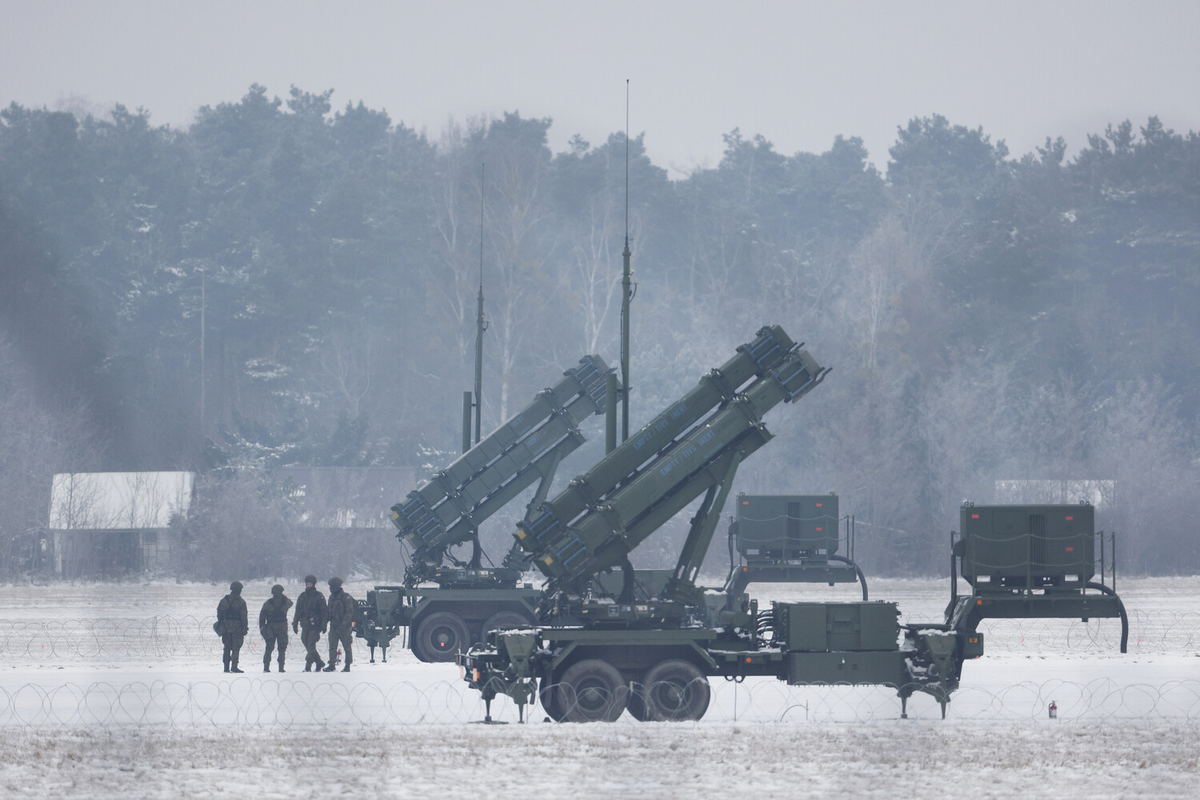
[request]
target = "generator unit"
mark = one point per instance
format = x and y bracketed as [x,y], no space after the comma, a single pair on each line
[819,627]
[1027,546]
[840,642]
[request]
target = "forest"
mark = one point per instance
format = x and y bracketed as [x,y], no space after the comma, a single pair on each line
[291,281]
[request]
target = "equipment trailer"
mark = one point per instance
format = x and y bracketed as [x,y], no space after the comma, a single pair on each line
[590,659]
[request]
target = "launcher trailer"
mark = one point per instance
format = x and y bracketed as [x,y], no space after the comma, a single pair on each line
[590,658]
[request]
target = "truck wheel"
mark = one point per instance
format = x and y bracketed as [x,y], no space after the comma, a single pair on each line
[591,690]
[675,691]
[548,697]
[501,619]
[440,637]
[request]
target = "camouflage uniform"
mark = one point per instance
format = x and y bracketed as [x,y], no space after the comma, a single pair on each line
[231,613]
[272,623]
[312,615]
[341,624]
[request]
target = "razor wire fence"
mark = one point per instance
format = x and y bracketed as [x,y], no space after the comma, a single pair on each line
[248,704]
[166,637]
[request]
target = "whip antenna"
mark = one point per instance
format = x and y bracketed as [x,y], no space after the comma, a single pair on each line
[626,288]
[480,321]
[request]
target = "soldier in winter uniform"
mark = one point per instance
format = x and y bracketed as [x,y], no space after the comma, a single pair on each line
[341,624]
[231,616]
[312,615]
[272,623]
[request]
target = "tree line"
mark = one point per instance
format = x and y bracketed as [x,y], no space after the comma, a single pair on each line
[282,282]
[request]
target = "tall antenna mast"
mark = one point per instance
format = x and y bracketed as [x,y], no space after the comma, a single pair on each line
[626,288]
[480,322]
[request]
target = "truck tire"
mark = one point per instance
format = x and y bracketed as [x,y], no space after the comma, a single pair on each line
[591,690]
[676,691]
[548,697]
[501,619]
[440,637]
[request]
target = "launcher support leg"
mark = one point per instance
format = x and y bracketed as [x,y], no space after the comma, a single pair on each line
[628,581]
[476,550]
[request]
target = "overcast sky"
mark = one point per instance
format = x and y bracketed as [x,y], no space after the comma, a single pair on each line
[798,73]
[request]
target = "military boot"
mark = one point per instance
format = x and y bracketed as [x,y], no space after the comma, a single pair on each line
[320,665]
[234,666]
[281,663]
[266,663]
[226,663]
[330,668]
[308,666]
[346,668]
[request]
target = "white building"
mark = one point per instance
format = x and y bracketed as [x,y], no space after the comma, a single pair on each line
[111,523]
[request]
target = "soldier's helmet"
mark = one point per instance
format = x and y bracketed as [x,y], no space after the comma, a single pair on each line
[236,587]
[277,589]
[311,579]
[335,583]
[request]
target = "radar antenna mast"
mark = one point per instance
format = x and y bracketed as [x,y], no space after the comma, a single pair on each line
[480,321]
[626,289]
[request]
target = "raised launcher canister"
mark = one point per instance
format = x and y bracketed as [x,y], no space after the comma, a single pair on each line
[447,510]
[1034,561]
[468,599]
[790,538]
[603,514]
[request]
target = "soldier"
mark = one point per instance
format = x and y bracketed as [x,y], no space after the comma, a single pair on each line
[272,623]
[231,616]
[341,624]
[311,613]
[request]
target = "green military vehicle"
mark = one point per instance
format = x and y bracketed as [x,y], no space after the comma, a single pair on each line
[592,657]
[445,607]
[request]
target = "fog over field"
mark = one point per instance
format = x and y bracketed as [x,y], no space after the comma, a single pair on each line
[251,253]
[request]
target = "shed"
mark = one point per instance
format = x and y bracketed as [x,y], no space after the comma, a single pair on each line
[105,524]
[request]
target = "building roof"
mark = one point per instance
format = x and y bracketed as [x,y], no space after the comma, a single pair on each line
[118,500]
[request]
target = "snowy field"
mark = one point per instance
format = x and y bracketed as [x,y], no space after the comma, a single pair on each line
[117,691]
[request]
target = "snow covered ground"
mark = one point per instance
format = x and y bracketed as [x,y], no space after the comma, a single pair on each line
[117,691]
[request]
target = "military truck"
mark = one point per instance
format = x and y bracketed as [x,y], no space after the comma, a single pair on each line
[592,658]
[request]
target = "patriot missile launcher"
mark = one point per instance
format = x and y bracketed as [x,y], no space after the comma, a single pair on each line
[470,600]
[591,659]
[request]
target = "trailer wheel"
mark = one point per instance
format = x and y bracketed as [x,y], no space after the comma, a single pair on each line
[675,691]
[440,637]
[591,690]
[501,619]
[548,697]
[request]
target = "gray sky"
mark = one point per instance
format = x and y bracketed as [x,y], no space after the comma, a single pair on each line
[798,73]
